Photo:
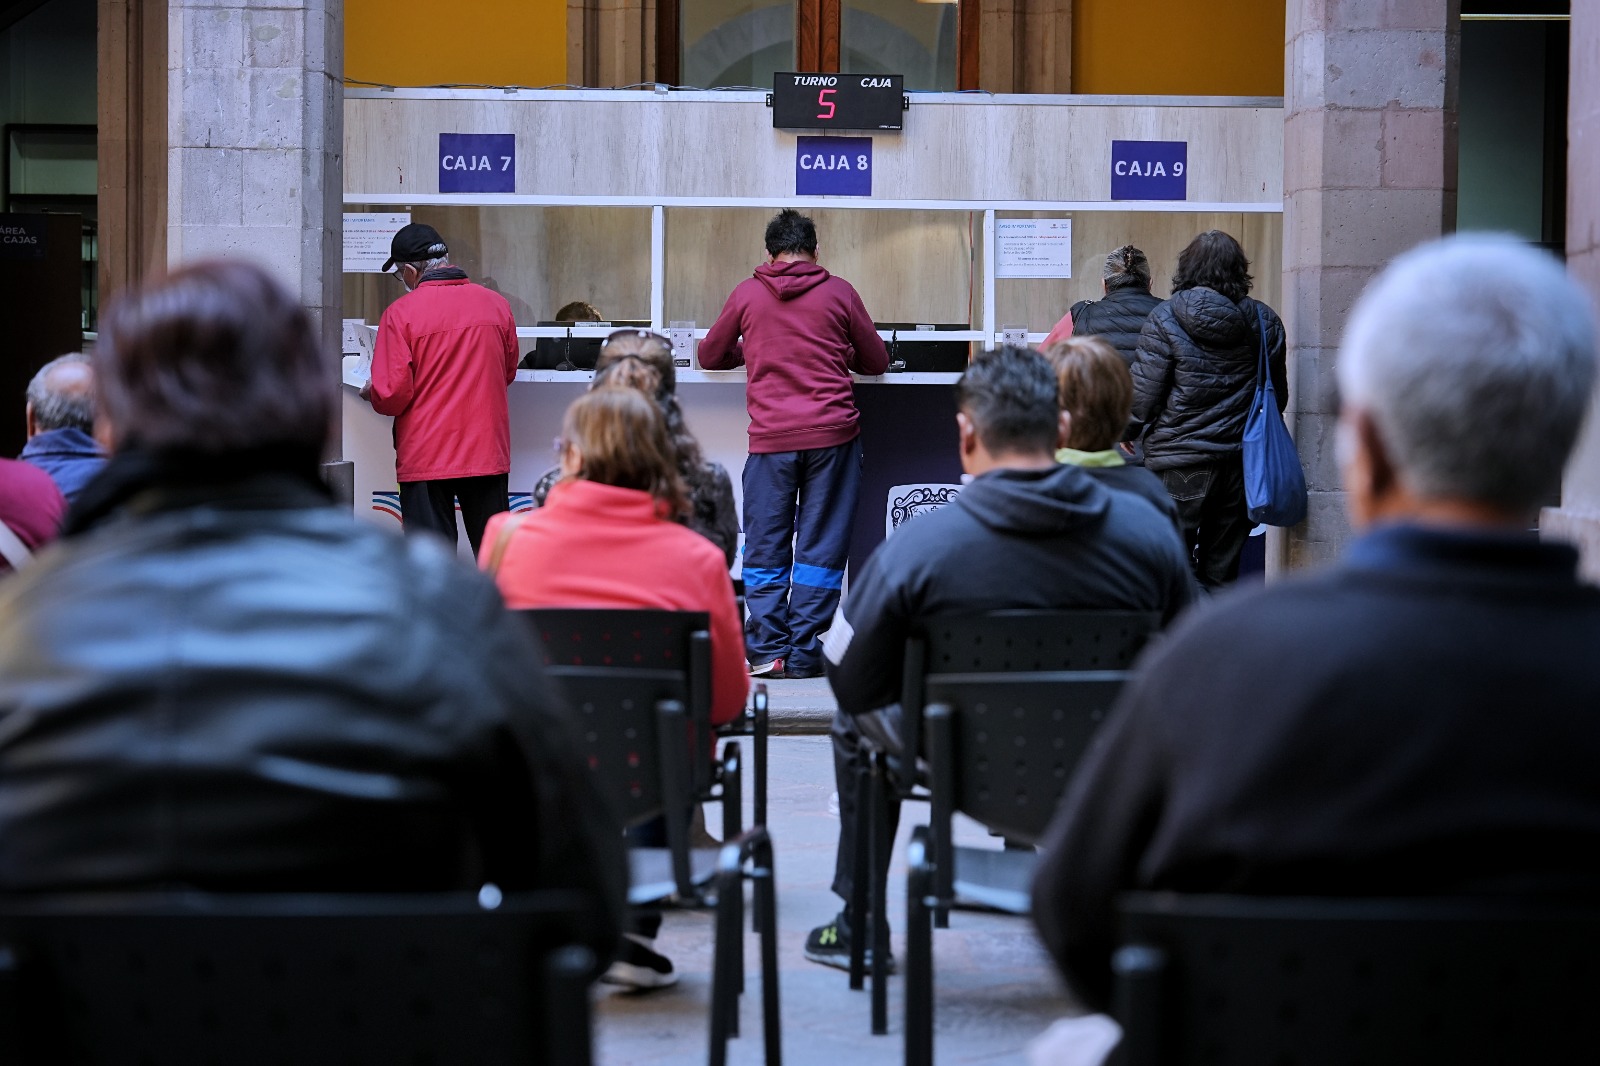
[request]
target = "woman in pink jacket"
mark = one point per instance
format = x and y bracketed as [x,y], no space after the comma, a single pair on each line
[607,535]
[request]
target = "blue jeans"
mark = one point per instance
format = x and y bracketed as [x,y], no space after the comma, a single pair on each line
[799,508]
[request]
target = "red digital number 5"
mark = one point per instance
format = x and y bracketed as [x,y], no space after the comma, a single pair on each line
[823,101]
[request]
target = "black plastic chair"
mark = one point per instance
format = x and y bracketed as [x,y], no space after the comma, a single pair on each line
[1329,982]
[635,638]
[1001,749]
[996,642]
[311,980]
[632,730]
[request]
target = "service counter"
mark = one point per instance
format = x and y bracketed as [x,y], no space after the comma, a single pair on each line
[651,207]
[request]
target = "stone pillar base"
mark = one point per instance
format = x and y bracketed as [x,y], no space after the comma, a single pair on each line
[1578,528]
[340,475]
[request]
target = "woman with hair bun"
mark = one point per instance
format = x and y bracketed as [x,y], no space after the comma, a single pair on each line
[1120,314]
[642,359]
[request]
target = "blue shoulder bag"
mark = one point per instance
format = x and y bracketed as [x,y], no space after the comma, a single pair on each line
[1274,484]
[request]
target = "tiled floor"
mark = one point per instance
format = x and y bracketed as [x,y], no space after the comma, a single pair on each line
[994,987]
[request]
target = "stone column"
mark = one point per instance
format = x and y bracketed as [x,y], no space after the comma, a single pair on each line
[255,141]
[1578,518]
[1369,171]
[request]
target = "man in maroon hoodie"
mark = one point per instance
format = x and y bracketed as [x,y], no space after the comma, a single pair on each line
[800,332]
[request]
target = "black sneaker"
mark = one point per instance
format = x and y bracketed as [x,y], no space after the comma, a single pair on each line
[830,945]
[641,966]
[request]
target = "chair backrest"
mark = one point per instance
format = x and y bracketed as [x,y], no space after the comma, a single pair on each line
[1004,746]
[638,639]
[1318,982]
[641,764]
[308,980]
[1020,641]
[635,638]
[1031,641]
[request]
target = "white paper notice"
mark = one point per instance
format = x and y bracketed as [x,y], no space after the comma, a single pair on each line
[358,342]
[1033,248]
[366,240]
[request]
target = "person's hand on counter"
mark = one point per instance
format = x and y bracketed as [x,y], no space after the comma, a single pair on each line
[366,392]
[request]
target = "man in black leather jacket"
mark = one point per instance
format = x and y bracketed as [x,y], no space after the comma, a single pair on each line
[218,681]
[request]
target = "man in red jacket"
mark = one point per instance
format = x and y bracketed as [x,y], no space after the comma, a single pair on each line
[800,332]
[445,354]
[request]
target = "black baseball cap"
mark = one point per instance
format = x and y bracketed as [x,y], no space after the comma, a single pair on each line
[414,243]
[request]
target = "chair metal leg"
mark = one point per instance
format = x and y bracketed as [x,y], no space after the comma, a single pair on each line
[919,953]
[858,883]
[765,875]
[724,992]
[567,982]
[882,846]
[754,847]
[941,760]
[732,791]
[759,727]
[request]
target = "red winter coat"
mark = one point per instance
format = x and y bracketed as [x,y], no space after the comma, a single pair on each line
[445,354]
[803,332]
[30,504]
[594,545]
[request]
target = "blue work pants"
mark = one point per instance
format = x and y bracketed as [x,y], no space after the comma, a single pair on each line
[799,508]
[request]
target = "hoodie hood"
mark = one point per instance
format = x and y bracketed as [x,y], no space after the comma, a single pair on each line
[1212,320]
[1036,502]
[788,280]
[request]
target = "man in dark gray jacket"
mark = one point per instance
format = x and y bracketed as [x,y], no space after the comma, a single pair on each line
[1419,719]
[1194,375]
[219,681]
[1025,533]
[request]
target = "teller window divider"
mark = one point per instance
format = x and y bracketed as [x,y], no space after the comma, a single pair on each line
[989,332]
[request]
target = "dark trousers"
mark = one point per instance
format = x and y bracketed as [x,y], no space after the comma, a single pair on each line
[1211,509]
[848,732]
[799,508]
[431,505]
[645,921]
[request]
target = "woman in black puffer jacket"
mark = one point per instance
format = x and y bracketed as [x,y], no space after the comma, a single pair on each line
[1193,378]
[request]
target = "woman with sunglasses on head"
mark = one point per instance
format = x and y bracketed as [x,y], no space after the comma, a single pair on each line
[642,360]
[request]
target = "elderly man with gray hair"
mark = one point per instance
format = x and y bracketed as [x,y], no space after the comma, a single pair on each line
[1418,719]
[60,416]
